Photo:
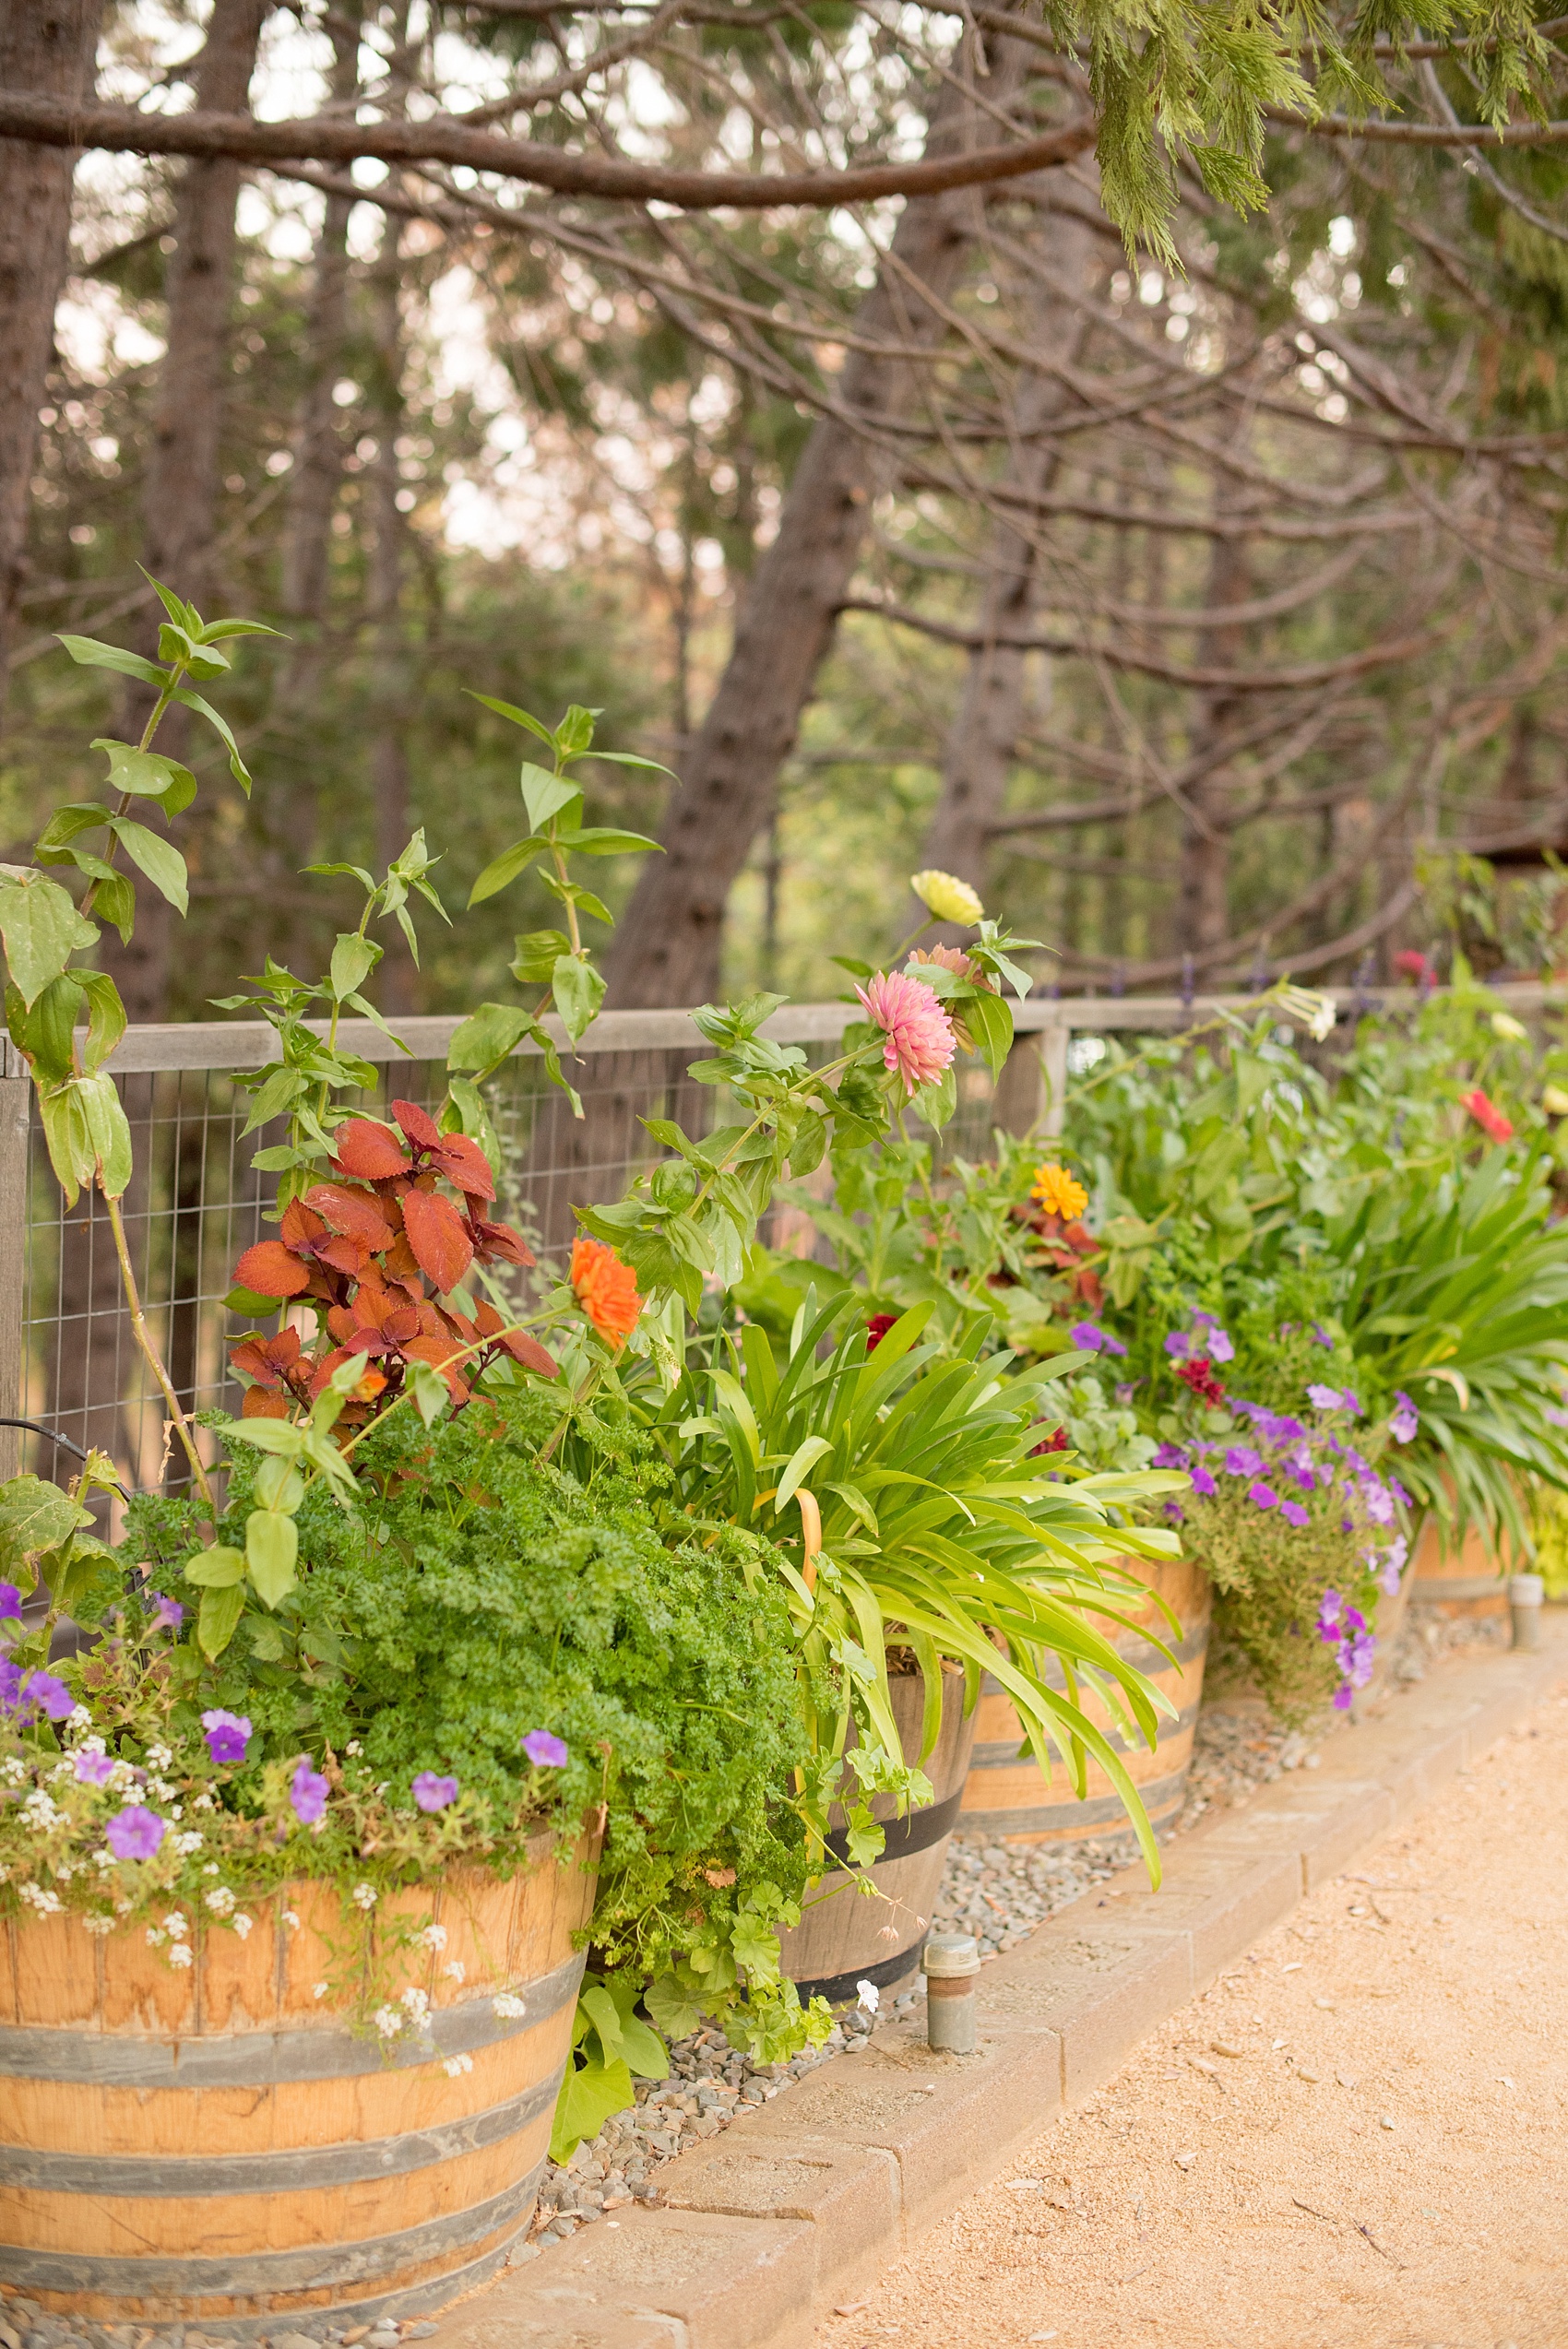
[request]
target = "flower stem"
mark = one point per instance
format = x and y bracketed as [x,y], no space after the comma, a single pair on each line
[154,1362]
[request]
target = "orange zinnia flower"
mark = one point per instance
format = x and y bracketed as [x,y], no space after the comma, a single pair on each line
[1058,1192]
[606,1289]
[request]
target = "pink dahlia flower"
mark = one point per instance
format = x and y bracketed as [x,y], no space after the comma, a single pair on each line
[920,1034]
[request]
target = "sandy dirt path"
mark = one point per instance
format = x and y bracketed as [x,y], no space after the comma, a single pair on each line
[1357,2140]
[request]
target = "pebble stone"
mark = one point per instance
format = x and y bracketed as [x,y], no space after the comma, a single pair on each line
[25,2326]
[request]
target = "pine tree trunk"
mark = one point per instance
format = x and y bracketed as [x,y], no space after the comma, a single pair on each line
[49,47]
[669,945]
[1204,916]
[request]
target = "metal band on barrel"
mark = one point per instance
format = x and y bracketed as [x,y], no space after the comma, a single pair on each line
[266,2058]
[289,2170]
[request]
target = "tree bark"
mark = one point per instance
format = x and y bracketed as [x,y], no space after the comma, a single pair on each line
[180,497]
[668,947]
[983,738]
[388,757]
[50,46]
[1204,909]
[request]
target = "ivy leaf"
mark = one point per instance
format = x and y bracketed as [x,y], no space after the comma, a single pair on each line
[42,929]
[489,1036]
[147,775]
[272,1548]
[219,1619]
[90,654]
[578,991]
[353,959]
[221,1568]
[159,860]
[545,795]
[504,869]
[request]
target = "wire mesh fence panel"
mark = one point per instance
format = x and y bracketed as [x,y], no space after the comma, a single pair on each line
[68,1359]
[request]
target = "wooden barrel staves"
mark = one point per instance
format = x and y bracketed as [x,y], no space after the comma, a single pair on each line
[1465,1581]
[215,2143]
[1009,1795]
[843,1938]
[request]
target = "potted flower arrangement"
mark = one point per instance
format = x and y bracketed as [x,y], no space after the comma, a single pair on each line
[454,1659]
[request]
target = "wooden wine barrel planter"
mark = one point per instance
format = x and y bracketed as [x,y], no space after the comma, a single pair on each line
[843,1938]
[1468,1581]
[218,2146]
[1011,1796]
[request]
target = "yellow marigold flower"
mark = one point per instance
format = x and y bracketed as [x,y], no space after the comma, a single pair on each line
[1059,1192]
[946,896]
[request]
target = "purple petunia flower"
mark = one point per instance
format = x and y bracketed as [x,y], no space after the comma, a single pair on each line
[170,1614]
[1344,1697]
[1400,1495]
[1243,1461]
[1378,1502]
[1322,1398]
[1322,1335]
[1175,1512]
[228,1734]
[1287,1429]
[1403,1419]
[1170,1456]
[38,1692]
[1089,1338]
[1294,1515]
[1220,1349]
[546,1751]
[1330,1609]
[1179,1345]
[308,1791]
[1263,1496]
[94,1769]
[1202,1482]
[136,1832]
[431,1793]
[10,1601]
[1351,1401]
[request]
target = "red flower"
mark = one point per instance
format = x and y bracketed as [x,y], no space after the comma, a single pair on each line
[877,1329]
[1412,964]
[1056,1441]
[1487,1116]
[1199,1376]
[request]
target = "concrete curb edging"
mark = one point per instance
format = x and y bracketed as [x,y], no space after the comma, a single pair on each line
[803,2201]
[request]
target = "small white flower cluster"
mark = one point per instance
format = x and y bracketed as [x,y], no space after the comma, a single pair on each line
[321,1989]
[291,1919]
[453,1969]
[243,1925]
[40,1811]
[433,1937]
[79,1718]
[188,1843]
[39,1897]
[509,2007]
[410,2013]
[173,1930]
[455,2066]
[13,1770]
[365,1896]
[99,1923]
[220,1901]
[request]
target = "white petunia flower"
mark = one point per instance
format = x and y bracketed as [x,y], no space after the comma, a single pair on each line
[870,1995]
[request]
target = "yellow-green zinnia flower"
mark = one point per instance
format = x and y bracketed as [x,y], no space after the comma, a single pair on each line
[946,896]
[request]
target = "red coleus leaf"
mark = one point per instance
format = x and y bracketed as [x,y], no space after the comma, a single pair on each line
[439,1353]
[435,1232]
[355,1214]
[369,1151]
[492,1240]
[268,1359]
[271,1270]
[522,1348]
[418,1124]
[260,1403]
[465,1165]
